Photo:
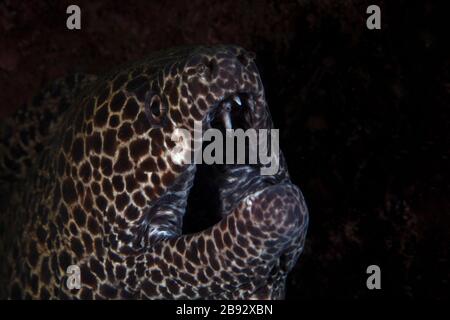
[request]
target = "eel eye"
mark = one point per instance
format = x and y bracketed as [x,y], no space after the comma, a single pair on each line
[155,110]
[155,106]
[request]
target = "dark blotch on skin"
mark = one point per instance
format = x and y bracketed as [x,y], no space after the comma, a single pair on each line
[156,275]
[148,165]
[95,160]
[172,286]
[44,294]
[140,175]
[65,260]
[77,247]
[121,272]
[45,271]
[107,189]
[132,213]
[99,251]
[176,116]
[139,148]
[86,294]
[101,203]
[118,183]
[130,183]
[101,116]
[34,283]
[149,289]
[79,216]
[78,150]
[108,291]
[106,166]
[162,164]
[117,101]
[125,132]
[141,124]
[121,201]
[109,142]
[97,268]
[131,109]
[114,121]
[63,213]
[68,191]
[41,234]
[87,277]
[139,199]
[85,171]
[87,240]
[93,226]
[168,178]
[95,188]
[123,163]
[33,254]
[110,271]
[94,142]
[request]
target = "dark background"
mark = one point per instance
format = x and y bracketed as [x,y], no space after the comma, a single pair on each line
[363,114]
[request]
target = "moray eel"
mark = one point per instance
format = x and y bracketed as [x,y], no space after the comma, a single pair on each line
[88,180]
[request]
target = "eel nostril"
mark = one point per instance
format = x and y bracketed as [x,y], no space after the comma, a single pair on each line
[251,55]
[202,69]
[206,69]
[246,58]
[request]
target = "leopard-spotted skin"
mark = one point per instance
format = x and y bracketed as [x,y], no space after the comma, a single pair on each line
[90,181]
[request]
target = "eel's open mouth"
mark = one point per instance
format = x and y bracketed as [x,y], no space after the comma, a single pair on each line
[218,188]
[233,112]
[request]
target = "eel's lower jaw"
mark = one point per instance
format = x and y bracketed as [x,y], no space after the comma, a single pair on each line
[283,217]
[249,246]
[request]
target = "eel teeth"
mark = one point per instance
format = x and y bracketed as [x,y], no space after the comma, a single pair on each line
[226,118]
[237,100]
